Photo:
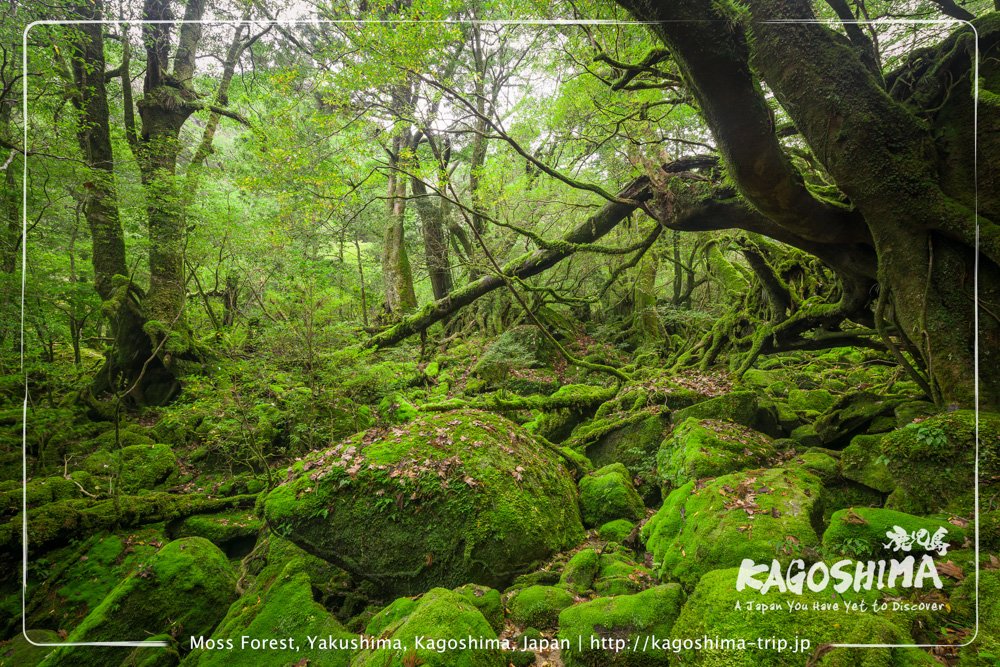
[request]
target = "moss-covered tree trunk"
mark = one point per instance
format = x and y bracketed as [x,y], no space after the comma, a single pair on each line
[130,363]
[894,156]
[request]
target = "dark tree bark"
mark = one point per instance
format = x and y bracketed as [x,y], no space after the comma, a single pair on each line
[130,363]
[910,220]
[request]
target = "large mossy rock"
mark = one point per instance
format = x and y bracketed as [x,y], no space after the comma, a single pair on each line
[520,348]
[538,606]
[182,591]
[141,467]
[861,532]
[631,439]
[579,573]
[439,615]
[851,414]
[862,462]
[742,407]
[758,514]
[627,618]
[716,609]
[700,448]
[447,499]
[932,461]
[275,609]
[608,494]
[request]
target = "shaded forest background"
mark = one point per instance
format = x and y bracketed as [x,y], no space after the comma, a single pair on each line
[277,266]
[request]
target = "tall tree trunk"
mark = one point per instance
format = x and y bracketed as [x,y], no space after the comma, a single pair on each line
[130,363]
[432,214]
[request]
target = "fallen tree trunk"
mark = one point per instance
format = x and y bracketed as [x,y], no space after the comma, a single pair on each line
[59,522]
[591,230]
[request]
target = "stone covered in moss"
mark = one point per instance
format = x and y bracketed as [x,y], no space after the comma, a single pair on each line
[519,348]
[185,588]
[538,606]
[759,514]
[619,574]
[608,494]
[810,400]
[579,573]
[824,463]
[447,499]
[742,407]
[860,532]
[274,609]
[631,440]
[141,467]
[40,491]
[439,615]
[19,651]
[632,618]
[851,414]
[932,461]
[985,650]
[616,531]
[700,448]
[864,463]
[222,528]
[487,601]
[716,609]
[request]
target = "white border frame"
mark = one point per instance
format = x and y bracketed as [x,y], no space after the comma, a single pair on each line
[24,262]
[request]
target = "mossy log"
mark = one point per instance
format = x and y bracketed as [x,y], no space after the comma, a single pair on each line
[59,522]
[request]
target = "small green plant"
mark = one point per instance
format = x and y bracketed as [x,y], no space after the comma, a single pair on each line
[932,436]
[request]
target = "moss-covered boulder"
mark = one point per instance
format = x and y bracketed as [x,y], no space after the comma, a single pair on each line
[631,439]
[985,650]
[863,462]
[742,407]
[538,606]
[234,532]
[140,467]
[18,651]
[183,591]
[824,463]
[601,632]
[717,609]
[278,608]
[862,532]
[810,400]
[616,531]
[758,514]
[619,574]
[851,414]
[700,448]
[487,601]
[438,616]
[932,461]
[578,575]
[448,499]
[608,494]
[519,348]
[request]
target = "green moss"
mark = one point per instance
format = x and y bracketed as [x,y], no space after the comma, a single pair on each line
[700,448]
[523,347]
[631,618]
[439,614]
[538,606]
[19,652]
[487,601]
[579,573]
[184,588]
[616,531]
[810,400]
[931,461]
[823,463]
[284,608]
[608,494]
[39,492]
[141,467]
[863,462]
[447,499]
[716,609]
[851,414]
[631,440]
[396,610]
[759,514]
[742,407]
[861,532]
[220,528]
[619,574]
[985,650]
